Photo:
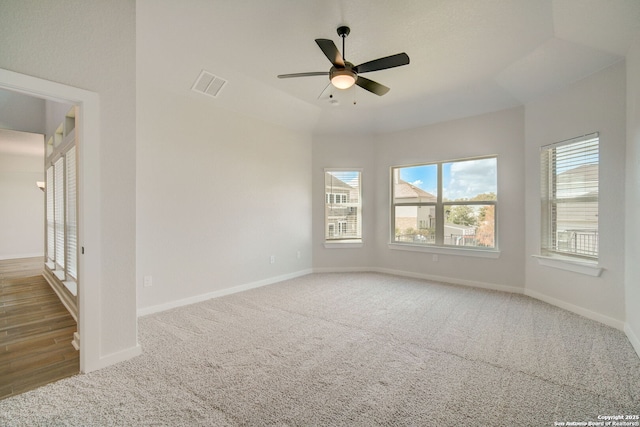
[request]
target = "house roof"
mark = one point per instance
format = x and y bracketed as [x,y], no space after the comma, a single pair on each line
[336,183]
[404,190]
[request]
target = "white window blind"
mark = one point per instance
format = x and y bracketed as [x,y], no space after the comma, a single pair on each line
[72,233]
[569,193]
[51,227]
[343,208]
[59,211]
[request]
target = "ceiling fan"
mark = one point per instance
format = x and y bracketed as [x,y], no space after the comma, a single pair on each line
[344,74]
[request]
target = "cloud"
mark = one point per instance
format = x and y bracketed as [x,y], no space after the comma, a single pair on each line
[470,178]
[417,183]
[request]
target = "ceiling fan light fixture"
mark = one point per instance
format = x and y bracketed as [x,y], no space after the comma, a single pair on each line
[343,79]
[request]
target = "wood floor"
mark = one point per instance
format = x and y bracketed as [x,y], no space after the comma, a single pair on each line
[36,330]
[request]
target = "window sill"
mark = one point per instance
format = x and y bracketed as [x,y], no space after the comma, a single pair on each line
[469,252]
[343,244]
[587,268]
[71,287]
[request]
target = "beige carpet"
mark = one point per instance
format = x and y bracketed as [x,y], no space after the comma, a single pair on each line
[358,349]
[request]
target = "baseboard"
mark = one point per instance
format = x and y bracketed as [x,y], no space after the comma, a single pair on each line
[342,270]
[220,293]
[633,338]
[434,278]
[112,359]
[450,280]
[20,256]
[609,321]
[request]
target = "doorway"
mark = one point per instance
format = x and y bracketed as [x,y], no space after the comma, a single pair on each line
[88,196]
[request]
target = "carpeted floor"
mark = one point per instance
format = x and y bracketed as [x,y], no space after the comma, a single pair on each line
[359,349]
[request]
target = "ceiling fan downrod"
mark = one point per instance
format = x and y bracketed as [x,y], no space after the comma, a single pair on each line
[343,32]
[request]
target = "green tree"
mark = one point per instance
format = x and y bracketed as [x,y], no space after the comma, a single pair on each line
[462,215]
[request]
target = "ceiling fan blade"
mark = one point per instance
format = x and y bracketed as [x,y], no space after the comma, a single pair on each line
[313,73]
[331,52]
[383,63]
[371,86]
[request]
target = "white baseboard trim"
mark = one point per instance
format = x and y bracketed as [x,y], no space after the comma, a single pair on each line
[342,270]
[440,279]
[112,359]
[19,256]
[453,281]
[609,321]
[633,338]
[220,293]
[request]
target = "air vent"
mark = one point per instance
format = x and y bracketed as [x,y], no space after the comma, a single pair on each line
[208,84]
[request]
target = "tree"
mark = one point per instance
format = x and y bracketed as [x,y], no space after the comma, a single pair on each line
[462,215]
[486,231]
[484,197]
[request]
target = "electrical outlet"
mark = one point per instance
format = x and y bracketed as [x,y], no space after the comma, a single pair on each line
[434,258]
[298,255]
[148,281]
[272,259]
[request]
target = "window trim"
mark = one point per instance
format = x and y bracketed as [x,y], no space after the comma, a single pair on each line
[349,242]
[439,247]
[547,250]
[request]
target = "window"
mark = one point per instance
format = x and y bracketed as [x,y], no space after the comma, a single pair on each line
[343,206]
[58,209]
[62,252]
[569,193]
[71,214]
[445,204]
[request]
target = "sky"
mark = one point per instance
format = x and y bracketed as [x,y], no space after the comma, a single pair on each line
[461,180]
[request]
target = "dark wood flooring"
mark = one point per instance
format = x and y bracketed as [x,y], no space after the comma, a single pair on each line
[36,330]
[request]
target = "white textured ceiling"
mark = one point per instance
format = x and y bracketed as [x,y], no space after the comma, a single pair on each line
[467,56]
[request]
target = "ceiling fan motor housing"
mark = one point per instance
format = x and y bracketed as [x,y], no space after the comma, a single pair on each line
[347,73]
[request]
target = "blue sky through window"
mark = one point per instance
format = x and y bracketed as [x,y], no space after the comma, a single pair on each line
[460,180]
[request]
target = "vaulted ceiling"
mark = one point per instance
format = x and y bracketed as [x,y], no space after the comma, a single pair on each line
[467,56]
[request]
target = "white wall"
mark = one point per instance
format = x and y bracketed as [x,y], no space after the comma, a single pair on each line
[22,206]
[21,112]
[596,103]
[500,133]
[91,45]
[632,198]
[344,151]
[55,113]
[218,194]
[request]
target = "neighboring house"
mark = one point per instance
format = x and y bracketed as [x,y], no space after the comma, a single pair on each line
[414,218]
[459,235]
[577,210]
[342,215]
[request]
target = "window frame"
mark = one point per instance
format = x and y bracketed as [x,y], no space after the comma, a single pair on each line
[334,240]
[549,247]
[440,207]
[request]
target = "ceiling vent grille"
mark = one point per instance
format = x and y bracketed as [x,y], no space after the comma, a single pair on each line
[208,84]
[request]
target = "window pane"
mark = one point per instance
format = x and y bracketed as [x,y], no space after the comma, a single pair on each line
[470,180]
[72,235]
[343,214]
[470,225]
[59,210]
[415,224]
[569,178]
[51,228]
[415,184]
